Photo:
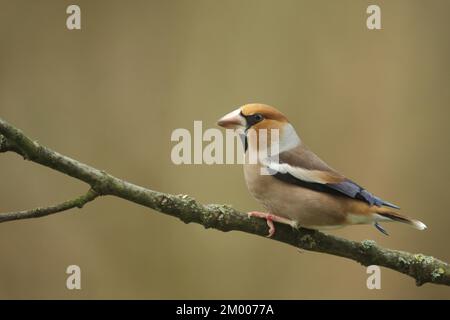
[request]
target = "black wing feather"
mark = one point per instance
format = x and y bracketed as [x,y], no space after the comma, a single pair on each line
[346,188]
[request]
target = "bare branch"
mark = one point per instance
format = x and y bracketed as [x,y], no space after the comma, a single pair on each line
[221,217]
[45,211]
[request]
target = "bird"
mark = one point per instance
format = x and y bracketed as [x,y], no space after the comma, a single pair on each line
[300,189]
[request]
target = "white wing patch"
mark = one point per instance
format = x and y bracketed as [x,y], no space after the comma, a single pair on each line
[297,172]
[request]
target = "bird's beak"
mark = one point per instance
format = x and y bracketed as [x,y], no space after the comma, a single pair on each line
[232,120]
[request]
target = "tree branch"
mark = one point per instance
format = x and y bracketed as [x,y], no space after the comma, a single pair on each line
[222,217]
[41,212]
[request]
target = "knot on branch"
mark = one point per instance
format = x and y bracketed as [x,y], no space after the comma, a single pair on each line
[307,241]
[2,143]
[219,216]
[6,145]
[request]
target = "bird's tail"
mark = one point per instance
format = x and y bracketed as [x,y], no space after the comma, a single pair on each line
[390,215]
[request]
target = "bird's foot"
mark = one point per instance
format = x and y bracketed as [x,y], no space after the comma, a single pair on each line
[270,218]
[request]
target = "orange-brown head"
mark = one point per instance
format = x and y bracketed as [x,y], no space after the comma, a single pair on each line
[255,116]
[276,133]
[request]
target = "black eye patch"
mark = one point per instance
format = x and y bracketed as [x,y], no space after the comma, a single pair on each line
[252,119]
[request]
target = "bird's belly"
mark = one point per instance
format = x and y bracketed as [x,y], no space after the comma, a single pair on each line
[307,207]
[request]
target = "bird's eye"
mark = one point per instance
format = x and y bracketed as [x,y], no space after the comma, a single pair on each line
[252,119]
[258,117]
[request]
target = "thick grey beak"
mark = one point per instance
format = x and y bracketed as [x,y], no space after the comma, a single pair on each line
[232,120]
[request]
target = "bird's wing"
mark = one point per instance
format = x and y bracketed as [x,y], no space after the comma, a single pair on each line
[300,166]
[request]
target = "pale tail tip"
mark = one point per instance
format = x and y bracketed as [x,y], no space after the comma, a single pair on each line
[419,225]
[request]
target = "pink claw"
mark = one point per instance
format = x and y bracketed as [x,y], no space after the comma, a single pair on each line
[271,227]
[269,219]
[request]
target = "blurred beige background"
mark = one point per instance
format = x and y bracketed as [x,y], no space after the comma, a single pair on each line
[374,104]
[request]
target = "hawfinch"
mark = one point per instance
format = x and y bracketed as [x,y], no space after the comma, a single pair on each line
[299,189]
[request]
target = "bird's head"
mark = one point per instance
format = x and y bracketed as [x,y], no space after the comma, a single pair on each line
[256,116]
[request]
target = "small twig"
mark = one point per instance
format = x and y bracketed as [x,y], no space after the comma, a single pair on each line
[44,211]
[221,217]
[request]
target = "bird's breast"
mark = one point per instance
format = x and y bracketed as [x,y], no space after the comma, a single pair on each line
[306,206]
